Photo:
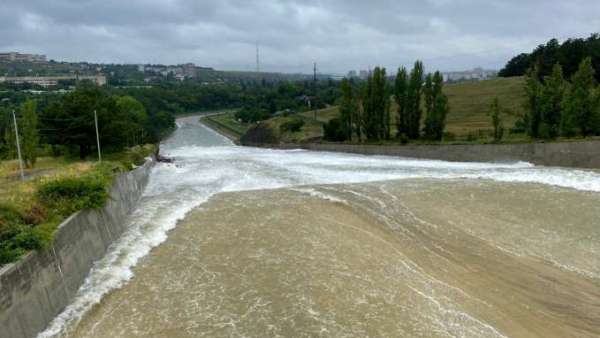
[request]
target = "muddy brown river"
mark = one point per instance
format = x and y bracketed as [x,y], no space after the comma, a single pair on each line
[243,242]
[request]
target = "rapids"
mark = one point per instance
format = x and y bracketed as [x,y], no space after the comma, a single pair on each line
[555,223]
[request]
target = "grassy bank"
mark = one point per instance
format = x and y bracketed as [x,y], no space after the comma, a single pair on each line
[470,104]
[31,210]
[468,121]
[226,123]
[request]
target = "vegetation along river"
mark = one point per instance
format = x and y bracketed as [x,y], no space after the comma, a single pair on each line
[244,242]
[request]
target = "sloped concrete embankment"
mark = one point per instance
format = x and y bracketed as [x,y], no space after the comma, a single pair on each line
[37,288]
[584,154]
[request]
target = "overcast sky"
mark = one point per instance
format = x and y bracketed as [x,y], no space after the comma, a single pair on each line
[340,35]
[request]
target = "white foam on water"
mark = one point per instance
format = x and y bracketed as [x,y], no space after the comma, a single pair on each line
[207,164]
[319,194]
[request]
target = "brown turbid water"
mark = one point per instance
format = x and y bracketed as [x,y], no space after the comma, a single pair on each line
[301,244]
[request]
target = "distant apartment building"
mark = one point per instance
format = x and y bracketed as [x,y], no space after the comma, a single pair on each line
[476,74]
[49,81]
[18,57]
[179,72]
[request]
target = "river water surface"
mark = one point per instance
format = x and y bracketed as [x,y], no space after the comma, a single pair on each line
[244,242]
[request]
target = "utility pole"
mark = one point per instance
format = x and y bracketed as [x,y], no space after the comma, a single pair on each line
[97,137]
[18,146]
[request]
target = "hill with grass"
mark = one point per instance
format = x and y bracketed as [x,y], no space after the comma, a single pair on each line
[468,120]
[470,104]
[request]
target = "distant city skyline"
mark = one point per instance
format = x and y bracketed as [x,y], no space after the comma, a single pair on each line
[339,35]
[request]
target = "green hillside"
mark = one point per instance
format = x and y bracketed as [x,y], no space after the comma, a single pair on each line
[469,105]
[468,119]
[470,102]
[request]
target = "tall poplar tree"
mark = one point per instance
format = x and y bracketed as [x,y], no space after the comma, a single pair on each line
[369,120]
[349,110]
[428,93]
[551,100]
[400,96]
[437,107]
[381,103]
[376,106]
[496,115]
[29,134]
[533,113]
[413,105]
[582,97]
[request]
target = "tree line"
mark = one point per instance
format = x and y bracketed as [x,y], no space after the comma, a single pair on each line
[557,107]
[65,124]
[421,107]
[569,55]
[261,102]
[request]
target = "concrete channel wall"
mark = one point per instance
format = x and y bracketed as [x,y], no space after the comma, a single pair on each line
[584,154]
[38,287]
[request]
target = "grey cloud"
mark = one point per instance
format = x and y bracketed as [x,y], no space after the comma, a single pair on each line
[340,35]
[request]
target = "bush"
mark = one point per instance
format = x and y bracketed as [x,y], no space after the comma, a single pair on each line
[333,131]
[134,156]
[260,134]
[16,237]
[34,228]
[70,194]
[252,115]
[292,126]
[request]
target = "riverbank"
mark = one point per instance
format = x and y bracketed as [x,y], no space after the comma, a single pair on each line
[31,209]
[394,258]
[225,125]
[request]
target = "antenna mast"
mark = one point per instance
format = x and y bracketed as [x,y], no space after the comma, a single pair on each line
[257,59]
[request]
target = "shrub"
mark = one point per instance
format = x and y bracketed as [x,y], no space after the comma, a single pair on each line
[292,126]
[334,131]
[260,134]
[136,156]
[33,229]
[16,237]
[252,114]
[403,138]
[70,194]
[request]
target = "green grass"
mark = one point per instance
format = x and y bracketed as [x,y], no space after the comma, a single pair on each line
[323,115]
[227,124]
[468,119]
[311,130]
[470,103]
[31,210]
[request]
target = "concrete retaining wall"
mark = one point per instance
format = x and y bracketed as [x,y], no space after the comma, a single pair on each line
[585,154]
[37,288]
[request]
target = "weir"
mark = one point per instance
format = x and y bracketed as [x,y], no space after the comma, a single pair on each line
[582,154]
